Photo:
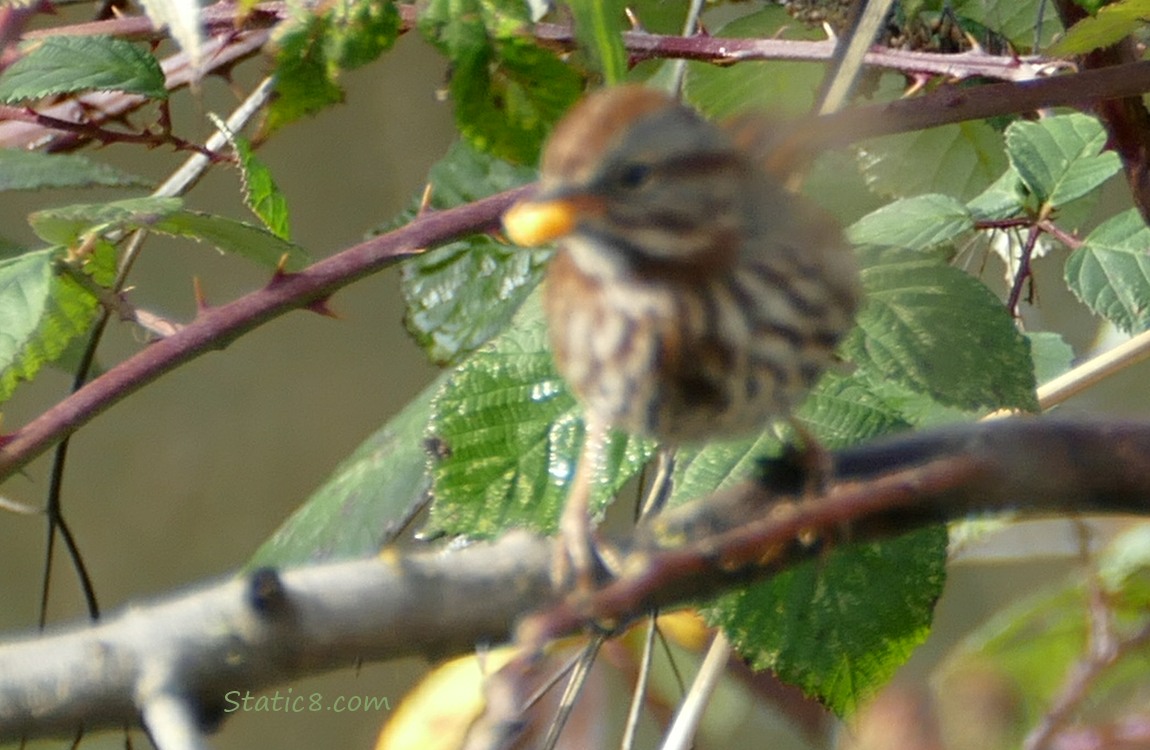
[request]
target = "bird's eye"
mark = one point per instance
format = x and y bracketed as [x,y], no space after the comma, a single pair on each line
[634,175]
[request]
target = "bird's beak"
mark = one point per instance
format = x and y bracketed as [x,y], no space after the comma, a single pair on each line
[544,218]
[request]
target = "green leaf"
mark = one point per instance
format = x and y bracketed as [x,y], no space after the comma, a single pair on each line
[360,31]
[231,236]
[67,225]
[43,309]
[304,84]
[838,627]
[1004,199]
[461,294]
[1112,24]
[1052,355]
[939,331]
[369,498]
[780,88]
[508,91]
[35,170]
[1013,19]
[510,434]
[913,223]
[1060,158]
[1110,272]
[261,193]
[599,28]
[63,64]
[961,159]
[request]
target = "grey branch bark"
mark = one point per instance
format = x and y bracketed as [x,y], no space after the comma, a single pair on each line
[172,664]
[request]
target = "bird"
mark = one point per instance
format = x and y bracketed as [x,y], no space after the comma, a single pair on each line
[692,295]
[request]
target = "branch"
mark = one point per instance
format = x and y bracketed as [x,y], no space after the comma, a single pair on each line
[207,648]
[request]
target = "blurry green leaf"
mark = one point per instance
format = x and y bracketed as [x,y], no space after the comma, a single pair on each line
[838,627]
[1031,648]
[1112,24]
[1004,199]
[1060,158]
[461,294]
[913,223]
[510,435]
[1110,272]
[63,64]
[34,170]
[939,331]
[359,32]
[779,88]
[1013,19]
[367,500]
[42,309]
[959,159]
[599,28]
[1052,355]
[66,225]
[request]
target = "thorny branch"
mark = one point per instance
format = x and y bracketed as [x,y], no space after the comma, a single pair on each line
[269,627]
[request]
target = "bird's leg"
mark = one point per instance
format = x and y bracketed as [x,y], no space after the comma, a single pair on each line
[576,555]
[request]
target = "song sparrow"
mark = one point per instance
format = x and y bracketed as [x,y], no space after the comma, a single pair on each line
[692,296]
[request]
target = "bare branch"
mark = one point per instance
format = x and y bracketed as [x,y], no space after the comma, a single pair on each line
[267,627]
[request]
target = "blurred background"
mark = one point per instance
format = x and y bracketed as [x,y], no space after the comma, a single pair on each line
[183,481]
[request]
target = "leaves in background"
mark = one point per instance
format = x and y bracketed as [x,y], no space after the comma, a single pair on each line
[939,331]
[913,223]
[777,88]
[460,294]
[1013,19]
[509,435]
[367,500]
[599,28]
[1110,272]
[1112,23]
[1060,158]
[63,64]
[508,90]
[42,309]
[314,48]
[960,159]
[35,170]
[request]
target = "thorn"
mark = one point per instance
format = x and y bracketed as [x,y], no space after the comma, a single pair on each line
[975,47]
[320,307]
[918,83]
[702,29]
[633,19]
[425,200]
[830,32]
[202,305]
[281,271]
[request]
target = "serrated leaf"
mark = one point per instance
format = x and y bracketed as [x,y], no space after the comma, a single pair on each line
[840,626]
[510,436]
[913,223]
[599,28]
[939,331]
[461,294]
[1110,272]
[66,225]
[1112,23]
[63,64]
[368,498]
[261,193]
[1060,158]
[231,236]
[960,159]
[780,88]
[35,170]
[42,310]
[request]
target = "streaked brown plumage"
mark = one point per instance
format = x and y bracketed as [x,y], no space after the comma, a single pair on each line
[692,297]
